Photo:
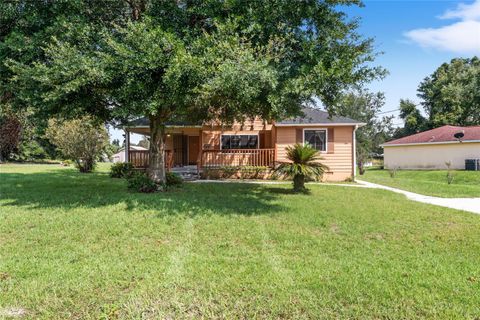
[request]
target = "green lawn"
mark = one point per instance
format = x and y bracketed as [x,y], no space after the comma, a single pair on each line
[466,184]
[79,246]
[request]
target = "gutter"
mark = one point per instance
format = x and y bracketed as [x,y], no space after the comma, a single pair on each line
[427,143]
[335,124]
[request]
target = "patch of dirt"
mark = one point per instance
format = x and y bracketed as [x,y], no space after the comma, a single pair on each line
[4,276]
[335,228]
[13,312]
[375,236]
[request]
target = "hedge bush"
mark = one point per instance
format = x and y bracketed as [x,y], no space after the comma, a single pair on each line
[139,181]
[121,169]
[173,179]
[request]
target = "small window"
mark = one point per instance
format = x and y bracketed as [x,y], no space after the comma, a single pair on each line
[316,138]
[239,141]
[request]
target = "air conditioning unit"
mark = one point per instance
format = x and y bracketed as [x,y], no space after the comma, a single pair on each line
[472,164]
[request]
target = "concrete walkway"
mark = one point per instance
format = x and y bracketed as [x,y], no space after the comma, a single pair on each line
[465,204]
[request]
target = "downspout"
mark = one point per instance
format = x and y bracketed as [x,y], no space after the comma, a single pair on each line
[354,152]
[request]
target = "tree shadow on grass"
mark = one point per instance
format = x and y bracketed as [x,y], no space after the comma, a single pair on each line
[289,190]
[68,189]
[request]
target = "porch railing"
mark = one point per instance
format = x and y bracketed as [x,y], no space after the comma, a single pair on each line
[237,157]
[140,159]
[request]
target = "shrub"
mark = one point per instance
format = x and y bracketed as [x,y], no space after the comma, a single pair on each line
[304,165]
[81,140]
[450,177]
[238,172]
[450,174]
[173,179]
[392,172]
[121,169]
[139,181]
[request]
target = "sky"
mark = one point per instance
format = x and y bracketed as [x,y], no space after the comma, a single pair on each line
[416,37]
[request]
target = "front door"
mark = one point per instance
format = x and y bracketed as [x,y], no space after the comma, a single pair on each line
[179,152]
[193,149]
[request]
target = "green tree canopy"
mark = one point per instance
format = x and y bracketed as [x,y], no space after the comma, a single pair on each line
[451,94]
[414,121]
[177,59]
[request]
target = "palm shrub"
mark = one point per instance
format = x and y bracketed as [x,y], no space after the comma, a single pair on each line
[304,164]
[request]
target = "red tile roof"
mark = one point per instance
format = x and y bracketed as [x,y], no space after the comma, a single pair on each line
[439,135]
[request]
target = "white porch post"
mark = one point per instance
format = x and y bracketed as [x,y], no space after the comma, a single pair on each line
[127,145]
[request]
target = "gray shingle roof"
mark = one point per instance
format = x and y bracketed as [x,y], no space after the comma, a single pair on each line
[311,116]
[317,116]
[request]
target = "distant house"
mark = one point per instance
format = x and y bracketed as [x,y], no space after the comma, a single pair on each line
[433,148]
[255,143]
[120,155]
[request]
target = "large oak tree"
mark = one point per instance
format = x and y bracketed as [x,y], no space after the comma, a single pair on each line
[197,60]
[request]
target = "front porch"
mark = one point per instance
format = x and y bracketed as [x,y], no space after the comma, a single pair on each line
[209,158]
[192,146]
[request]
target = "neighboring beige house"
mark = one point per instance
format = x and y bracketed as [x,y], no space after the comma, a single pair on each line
[432,149]
[120,155]
[256,143]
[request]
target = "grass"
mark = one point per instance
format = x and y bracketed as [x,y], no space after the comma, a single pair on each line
[79,246]
[466,184]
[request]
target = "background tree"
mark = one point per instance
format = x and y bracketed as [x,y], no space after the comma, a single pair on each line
[365,106]
[21,137]
[10,130]
[413,119]
[451,94]
[169,60]
[82,140]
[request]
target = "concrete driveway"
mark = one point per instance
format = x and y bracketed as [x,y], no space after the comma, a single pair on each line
[465,204]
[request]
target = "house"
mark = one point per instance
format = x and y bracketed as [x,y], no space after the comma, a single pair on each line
[433,148]
[256,143]
[120,155]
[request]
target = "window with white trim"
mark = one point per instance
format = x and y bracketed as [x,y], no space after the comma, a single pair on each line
[316,138]
[239,141]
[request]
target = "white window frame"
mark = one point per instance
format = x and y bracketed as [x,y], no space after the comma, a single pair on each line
[317,129]
[242,134]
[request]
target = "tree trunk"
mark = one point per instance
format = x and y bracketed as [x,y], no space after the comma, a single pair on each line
[361,167]
[137,7]
[156,166]
[299,183]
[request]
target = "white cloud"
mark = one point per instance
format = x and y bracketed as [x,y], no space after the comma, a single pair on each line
[464,12]
[459,37]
